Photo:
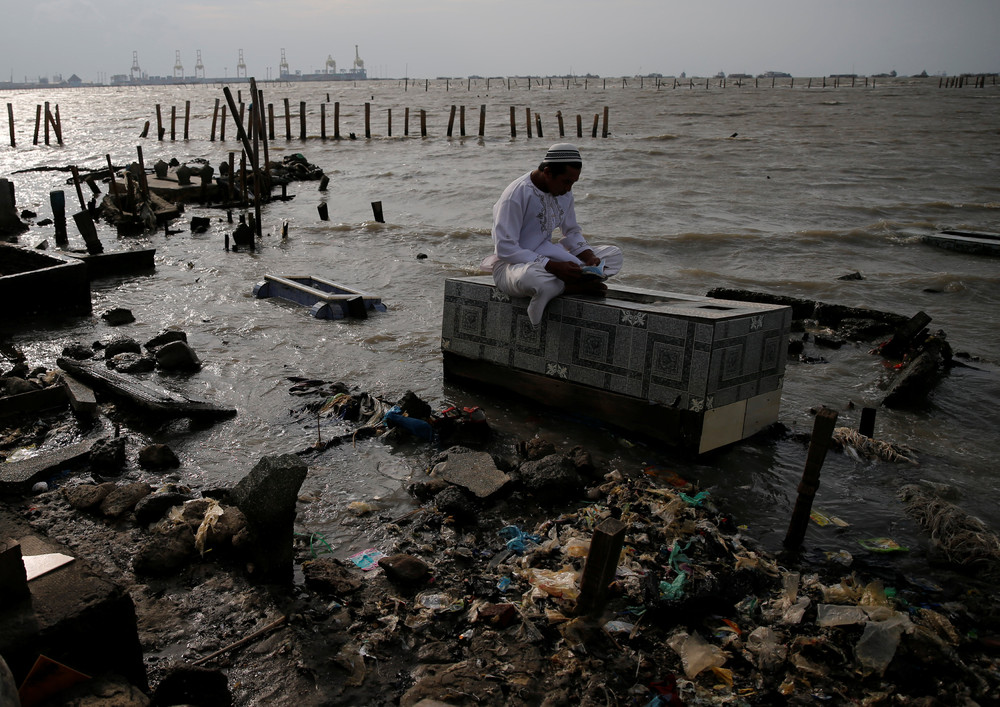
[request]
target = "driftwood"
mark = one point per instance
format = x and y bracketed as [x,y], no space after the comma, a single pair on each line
[149,397]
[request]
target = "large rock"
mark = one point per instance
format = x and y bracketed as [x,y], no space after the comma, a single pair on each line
[405,571]
[551,477]
[267,497]
[121,345]
[475,471]
[171,548]
[86,496]
[158,457]
[154,507]
[165,337]
[107,455]
[177,356]
[123,498]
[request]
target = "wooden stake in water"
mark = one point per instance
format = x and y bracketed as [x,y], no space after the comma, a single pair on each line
[826,420]
[38,121]
[215,118]
[10,121]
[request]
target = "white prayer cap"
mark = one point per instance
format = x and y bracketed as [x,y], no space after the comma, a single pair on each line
[563,152]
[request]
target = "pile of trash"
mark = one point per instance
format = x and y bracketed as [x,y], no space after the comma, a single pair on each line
[293,168]
[694,614]
[358,415]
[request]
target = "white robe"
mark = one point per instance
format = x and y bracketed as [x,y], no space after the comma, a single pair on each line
[524,219]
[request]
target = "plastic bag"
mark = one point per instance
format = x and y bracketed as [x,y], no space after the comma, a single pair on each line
[696,653]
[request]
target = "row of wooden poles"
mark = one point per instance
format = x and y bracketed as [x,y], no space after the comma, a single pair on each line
[52,121]
[661,82]
[269,120]
[962,81]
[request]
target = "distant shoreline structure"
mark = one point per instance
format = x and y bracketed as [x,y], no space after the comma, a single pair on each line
[360,74]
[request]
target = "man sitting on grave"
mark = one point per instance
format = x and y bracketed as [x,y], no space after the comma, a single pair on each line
[526,262]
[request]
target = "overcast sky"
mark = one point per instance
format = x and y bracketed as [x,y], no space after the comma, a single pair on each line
[428,38]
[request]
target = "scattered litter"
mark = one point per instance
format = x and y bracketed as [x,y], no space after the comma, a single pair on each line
[882,545]
[516,539]
[37,565]
[822,519]
[367,559]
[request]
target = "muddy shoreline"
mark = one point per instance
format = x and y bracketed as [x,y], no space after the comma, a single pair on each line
[695,612]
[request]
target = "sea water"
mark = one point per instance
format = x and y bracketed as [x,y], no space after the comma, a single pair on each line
[780,189]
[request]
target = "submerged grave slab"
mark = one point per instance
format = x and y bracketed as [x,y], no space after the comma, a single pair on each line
[325,299]
[692,371]
[32,282]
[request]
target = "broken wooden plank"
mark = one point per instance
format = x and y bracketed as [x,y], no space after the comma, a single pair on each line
[81,397]
[42,399]
[149,397]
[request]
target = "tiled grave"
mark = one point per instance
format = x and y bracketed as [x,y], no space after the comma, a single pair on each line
[716,365]
[33,282]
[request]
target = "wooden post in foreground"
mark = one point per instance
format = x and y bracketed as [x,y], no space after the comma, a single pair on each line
[302,120]
[826,419]
[602,561]
[482,121]
[377,211]
[10,120]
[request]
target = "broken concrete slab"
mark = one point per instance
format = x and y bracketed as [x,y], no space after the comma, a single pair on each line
[21,475]
[475,471]
[81,397]
[76,616]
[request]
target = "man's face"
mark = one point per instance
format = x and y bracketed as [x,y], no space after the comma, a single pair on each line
[563,183]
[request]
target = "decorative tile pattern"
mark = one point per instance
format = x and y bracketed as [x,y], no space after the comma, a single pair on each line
[674,350]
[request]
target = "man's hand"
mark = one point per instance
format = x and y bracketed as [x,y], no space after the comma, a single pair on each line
[565,270]
[588,257]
